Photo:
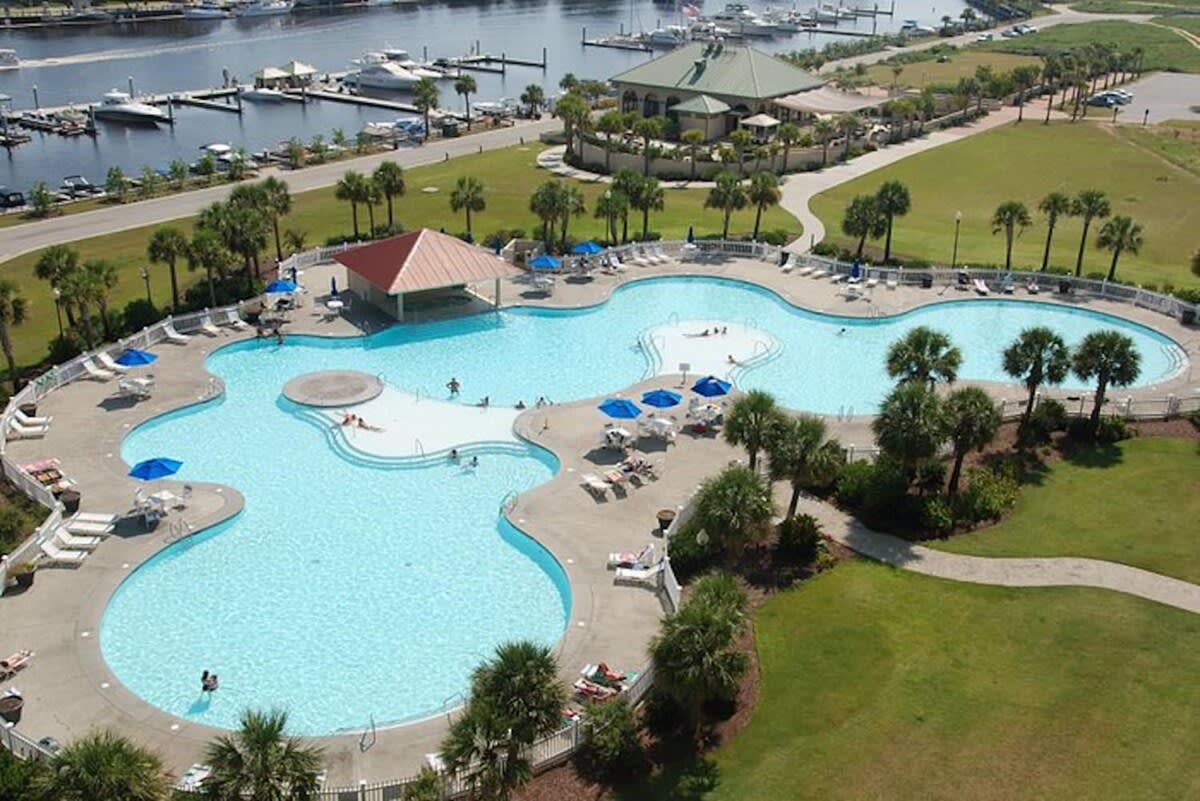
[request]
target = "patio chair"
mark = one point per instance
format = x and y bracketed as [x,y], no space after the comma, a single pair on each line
[134,388]
[872,283]
[18,431]
[86,526]
[96,373]
[71,542]
[32,422]
[638,258]
[981,287]
[820,272]
[92,517]
[805,270]
[10,665]
[590,690]
[234,321]
[173,335]
[631,558]
[207,326]
[594,484]
[639,575]
[58,556]
[891,282]
[838,278]
[190,781]
[106,362]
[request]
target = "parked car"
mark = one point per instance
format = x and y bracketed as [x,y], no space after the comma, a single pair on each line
[10,199]
[1104,100]
[985,37]
[1024,30]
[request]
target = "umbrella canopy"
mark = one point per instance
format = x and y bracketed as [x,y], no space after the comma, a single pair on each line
[691,235]
[588,248]
[545,263]
[158,467]
[710,385]
[136,358]
[333,286]
[281,285]
[620,408]
[662,398]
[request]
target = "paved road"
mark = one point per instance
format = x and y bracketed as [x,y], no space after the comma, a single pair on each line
[1033,572]
[33,236]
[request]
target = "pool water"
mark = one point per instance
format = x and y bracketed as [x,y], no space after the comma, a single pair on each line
[347,593]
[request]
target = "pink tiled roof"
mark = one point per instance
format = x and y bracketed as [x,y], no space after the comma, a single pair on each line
[423,259]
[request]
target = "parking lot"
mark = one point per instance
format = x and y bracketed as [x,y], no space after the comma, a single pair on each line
[1167,96]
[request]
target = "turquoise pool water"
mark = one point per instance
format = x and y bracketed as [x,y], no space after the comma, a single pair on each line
[346,592]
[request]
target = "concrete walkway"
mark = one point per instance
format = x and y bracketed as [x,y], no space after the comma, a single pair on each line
[1030,572]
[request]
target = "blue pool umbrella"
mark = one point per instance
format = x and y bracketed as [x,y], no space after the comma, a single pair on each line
[711,385]
[662,398]
[158,467]
[620,408]
[587,248]
[691,235]
[545,263]
[136,358]
[281,285]
[333,287]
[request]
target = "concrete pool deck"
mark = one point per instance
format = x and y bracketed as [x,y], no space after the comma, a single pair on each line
[68,687]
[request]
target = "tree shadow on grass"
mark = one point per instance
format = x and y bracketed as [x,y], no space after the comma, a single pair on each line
[1095,456]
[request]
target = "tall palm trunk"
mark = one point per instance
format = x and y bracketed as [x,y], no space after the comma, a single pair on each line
[1101,391]
[1049,105]
[757,220]
[1082,246]
[174,285]
[725,230]
[371,219]
[278,248]
[89,331]
[645,222]
[957,471]
[1028,407]
[388,196]
[1046,252]
[212,290]
[103,304]
[6,343]
[1112,268]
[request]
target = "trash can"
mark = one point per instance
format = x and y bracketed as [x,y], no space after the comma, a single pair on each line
[1064,287]
[926,281]
[1187,316]
[70,501]
[10,708]
[665,518]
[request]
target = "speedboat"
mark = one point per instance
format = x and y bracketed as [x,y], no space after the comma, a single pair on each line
[670,36]
[504,107]
[120,107]
[383,76]
[401,57]
[9,60]
[260,94]
[265,8]
[209,9]
[217,149]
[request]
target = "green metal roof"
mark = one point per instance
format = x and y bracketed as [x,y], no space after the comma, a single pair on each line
[725,70]
[701,106]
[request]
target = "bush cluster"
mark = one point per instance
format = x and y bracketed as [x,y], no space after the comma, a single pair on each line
[799,539]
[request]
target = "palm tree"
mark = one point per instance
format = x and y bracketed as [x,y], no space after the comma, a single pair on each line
[985,82]
[647,197]
[893,200]
[626,181]
[1038,356]
[294,238]
[12,312]
[534,97]
[1023,78]
[389,177]
[78,293]
[909,425]
[610,206]
[574,112]
[924,356]
[546,203]
[753,421]
[800,455]
[788,135]
[727,195]
[54,265]
[177,172]
[648,129]
[465,86]
[1011,217]
[734,508]
[693,139]
[102,278]
[741,142]
[467,196]
[1053,205]
[1118,235]
[426,98]
[610,123]
[1088,204]
[863,219]
[167,245]
[207,252]
[971,421]
[1196,264]
[848,124]
[570,204]
[1052,73]
[279,204]
[260,762]
[823,131]
[1112,359]
[480,750]
[104,766]
[762,193]
[351,188]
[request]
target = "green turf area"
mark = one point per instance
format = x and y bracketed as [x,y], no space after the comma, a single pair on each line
[1176,141]
[1137,6]
[1025,162]
[1164,49]
[509,175]
[1191,24]
[1135,503]
[882,684]
[961,64]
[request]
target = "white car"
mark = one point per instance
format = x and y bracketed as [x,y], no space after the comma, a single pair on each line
[985,37]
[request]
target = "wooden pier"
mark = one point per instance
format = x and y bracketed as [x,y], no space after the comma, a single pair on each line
[485,62]
[203,100]
[358,100]
[621,41]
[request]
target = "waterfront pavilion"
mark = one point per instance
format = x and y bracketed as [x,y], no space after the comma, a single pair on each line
[419,265]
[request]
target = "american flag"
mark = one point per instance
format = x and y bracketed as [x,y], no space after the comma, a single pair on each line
[690,10]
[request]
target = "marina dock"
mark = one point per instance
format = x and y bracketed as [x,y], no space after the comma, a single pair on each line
[360,100]
[619,41]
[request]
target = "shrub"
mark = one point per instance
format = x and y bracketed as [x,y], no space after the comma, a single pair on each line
[826,248]
[799,538]
[853,483]
[688,556]
[426,787]
[13,527]
[931,476]
[937,517]
[1188,294]
[64,348]
[989,495]
[1113,429]
[777,237]
[140,313]
[613,751]
[1048,417]
[1194,419]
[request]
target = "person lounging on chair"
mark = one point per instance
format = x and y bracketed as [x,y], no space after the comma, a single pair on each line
[631,558]
[10,666]
[592,691]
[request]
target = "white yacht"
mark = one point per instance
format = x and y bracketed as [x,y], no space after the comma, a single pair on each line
[384,75]
[670,36]
[9,60]
[265,8]
[209,9]
[260,94]
[119,106]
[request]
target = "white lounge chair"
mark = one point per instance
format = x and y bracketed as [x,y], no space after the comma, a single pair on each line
[134,388]
[234,321]
[77,526]
[108,363]
[820,272]
[805,270]
[70,542]
[838,278]
[18,431]
[92,517]
[656,255]
[190,782]
[981,287]
[97,373]
[26,420]
[594,484]
[173,335]
[631,558]
[637,257]
[891,282]
[209,328]
[872,283]
[639,575]
[788,264]
[59,556]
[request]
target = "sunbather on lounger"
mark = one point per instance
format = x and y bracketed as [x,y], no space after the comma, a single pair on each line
[594,691]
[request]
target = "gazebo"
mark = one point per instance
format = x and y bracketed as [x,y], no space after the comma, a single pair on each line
[298,73]
[761,127]
[419,262]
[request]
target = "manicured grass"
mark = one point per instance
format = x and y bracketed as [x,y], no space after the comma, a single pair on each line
[1191,24]
[1176,141]
[961,64]
[1164,50]
[1136,7]
[510,176]
[1135,503]
[882,684]
[1025,162]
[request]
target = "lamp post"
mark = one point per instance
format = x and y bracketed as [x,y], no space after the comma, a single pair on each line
[612,226]
[957,224]
[146,281]
[58,309]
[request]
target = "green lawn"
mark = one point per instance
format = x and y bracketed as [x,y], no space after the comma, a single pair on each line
[1164,49]
[1178,141]
[1025,162]
[1137,503]
[1191,24]
[961,64]
[882,684]
[1137,6]
[509,175]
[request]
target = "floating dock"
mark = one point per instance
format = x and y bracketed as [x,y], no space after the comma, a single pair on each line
[359,100]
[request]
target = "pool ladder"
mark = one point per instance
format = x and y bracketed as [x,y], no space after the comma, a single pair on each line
[368,738]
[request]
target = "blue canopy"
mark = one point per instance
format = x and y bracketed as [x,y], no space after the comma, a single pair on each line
[158,467]
[587,248]
[662,398]
[691,235]
[711,385]
[136,358]
[620,408]
[545,263]
[281,285]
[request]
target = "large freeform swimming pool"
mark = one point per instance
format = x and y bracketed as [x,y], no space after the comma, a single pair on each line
[346,592]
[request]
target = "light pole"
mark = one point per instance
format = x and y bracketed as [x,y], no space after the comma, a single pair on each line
[146,281]
[957,224]
[58,309]
[612,225]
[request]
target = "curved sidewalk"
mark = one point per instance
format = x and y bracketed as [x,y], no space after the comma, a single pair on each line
[1006,572]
